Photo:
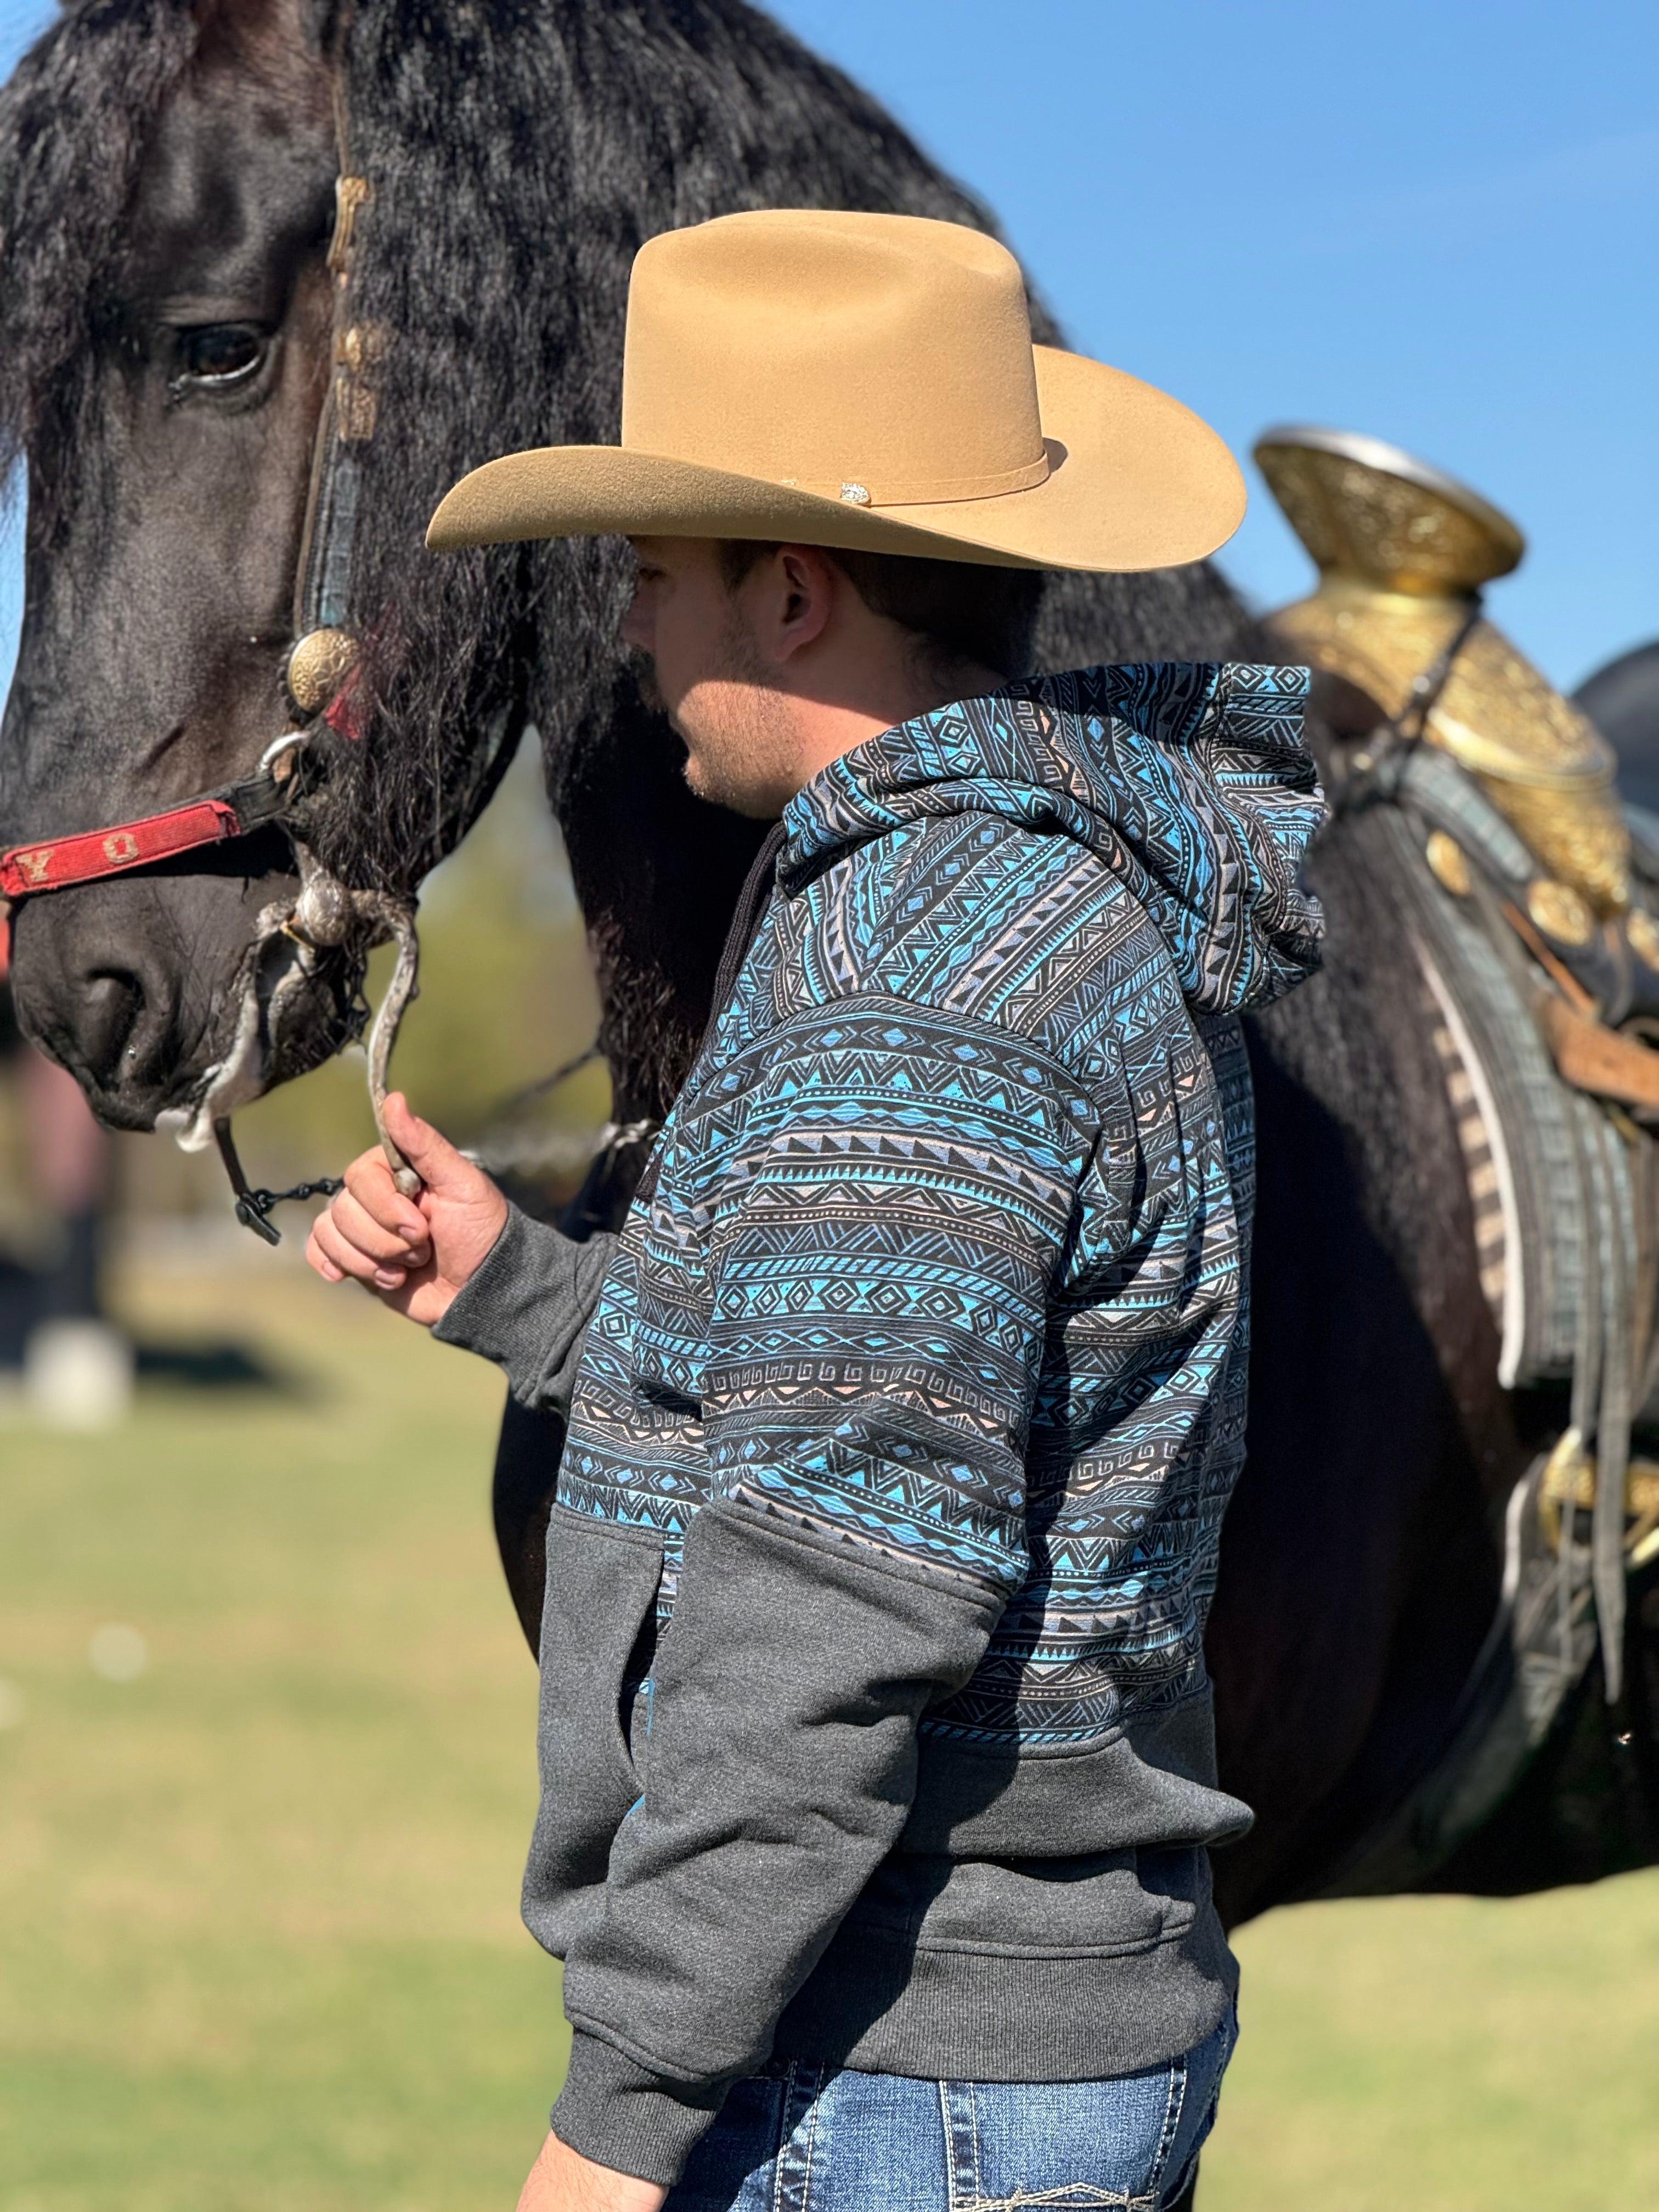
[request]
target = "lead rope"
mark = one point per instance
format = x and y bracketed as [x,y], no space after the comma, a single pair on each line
[254,1206]
[328,911]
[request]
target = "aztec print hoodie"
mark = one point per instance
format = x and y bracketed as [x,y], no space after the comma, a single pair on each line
[875,1727]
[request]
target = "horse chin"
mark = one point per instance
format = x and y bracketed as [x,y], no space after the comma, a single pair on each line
[296,1007]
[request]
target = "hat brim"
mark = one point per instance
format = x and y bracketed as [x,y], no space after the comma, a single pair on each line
[1136,481]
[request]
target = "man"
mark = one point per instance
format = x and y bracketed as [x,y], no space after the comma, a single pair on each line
[876,1756]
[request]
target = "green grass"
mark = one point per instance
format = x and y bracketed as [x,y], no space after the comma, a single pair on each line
[258,1934]
[1451,2054]
[258,1939]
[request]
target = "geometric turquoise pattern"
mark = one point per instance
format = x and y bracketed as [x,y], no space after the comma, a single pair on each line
[944,1246]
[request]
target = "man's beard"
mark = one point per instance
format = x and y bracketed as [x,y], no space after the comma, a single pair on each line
[745,766]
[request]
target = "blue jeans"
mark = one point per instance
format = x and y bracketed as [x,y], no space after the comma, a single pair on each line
[810,2139]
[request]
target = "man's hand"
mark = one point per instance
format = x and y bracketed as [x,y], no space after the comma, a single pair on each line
[562,2180]
[414,1254]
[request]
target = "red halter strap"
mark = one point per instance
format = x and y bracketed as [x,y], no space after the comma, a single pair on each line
[56,865]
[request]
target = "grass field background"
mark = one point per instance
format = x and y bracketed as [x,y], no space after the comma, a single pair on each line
[258,1937]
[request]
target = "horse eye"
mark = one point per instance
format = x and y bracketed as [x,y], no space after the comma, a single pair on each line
[218,354]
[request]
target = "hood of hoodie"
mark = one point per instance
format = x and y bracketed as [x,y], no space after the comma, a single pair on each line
[1190,781]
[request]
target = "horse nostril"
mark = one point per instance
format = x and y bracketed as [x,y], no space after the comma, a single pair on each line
[112,1006]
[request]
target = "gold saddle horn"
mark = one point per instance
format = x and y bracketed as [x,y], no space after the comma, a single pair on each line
[1402,551]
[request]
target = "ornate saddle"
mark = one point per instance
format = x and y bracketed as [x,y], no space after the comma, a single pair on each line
[1532,898]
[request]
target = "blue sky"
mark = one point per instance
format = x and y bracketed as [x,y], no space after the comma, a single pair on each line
[1436,221]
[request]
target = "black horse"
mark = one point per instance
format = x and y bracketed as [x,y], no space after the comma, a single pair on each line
[166,193]
[1622,700]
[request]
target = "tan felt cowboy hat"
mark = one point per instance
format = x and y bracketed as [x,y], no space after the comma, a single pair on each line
[866,381]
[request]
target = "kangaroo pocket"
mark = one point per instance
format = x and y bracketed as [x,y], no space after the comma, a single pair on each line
[1101,1904]
[599,1617]
[1018,1969]
[1151,1782]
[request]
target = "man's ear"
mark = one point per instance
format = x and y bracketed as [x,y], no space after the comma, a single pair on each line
[802,600]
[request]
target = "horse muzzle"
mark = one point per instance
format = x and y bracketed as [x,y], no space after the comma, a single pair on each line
[143,987]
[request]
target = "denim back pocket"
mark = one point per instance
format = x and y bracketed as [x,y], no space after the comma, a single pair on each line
[1087,2146]
[1128,2144]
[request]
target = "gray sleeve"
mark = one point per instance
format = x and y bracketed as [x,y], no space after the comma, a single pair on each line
[778,1770]
[528,1306]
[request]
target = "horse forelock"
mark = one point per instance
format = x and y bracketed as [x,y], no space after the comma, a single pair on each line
[75,117]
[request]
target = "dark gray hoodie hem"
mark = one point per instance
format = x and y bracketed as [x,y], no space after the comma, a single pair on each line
[878,2004]
[1045,1919]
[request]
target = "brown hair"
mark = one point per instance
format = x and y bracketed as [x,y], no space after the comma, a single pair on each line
[958,611]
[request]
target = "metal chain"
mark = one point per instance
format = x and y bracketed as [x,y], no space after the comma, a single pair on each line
[253,1206]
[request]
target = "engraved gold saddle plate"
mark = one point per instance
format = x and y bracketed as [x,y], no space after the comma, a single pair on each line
[1400,549]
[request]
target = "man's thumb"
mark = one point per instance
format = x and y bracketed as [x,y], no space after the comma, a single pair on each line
[427,1151]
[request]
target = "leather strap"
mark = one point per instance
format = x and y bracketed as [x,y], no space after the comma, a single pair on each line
[1601,1060]
[92,854]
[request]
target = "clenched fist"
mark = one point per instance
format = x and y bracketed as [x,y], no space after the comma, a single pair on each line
[414,1254]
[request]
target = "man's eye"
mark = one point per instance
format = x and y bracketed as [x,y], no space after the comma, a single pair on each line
[215,356]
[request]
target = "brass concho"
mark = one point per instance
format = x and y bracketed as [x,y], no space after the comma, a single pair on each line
[1643,933]
[318,666]
[1450,862]
[1401,548]
[1559,912]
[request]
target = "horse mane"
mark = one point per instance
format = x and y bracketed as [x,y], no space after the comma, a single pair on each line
[518,155]
[519,159]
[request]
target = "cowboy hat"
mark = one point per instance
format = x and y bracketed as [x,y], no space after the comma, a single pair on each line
[865,381]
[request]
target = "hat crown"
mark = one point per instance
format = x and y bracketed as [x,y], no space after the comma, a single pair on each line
[881,360]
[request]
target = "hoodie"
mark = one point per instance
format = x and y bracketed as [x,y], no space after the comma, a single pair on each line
[875,1728]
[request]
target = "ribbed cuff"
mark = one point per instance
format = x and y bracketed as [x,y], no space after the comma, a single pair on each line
[619,2115]
[503,1310]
